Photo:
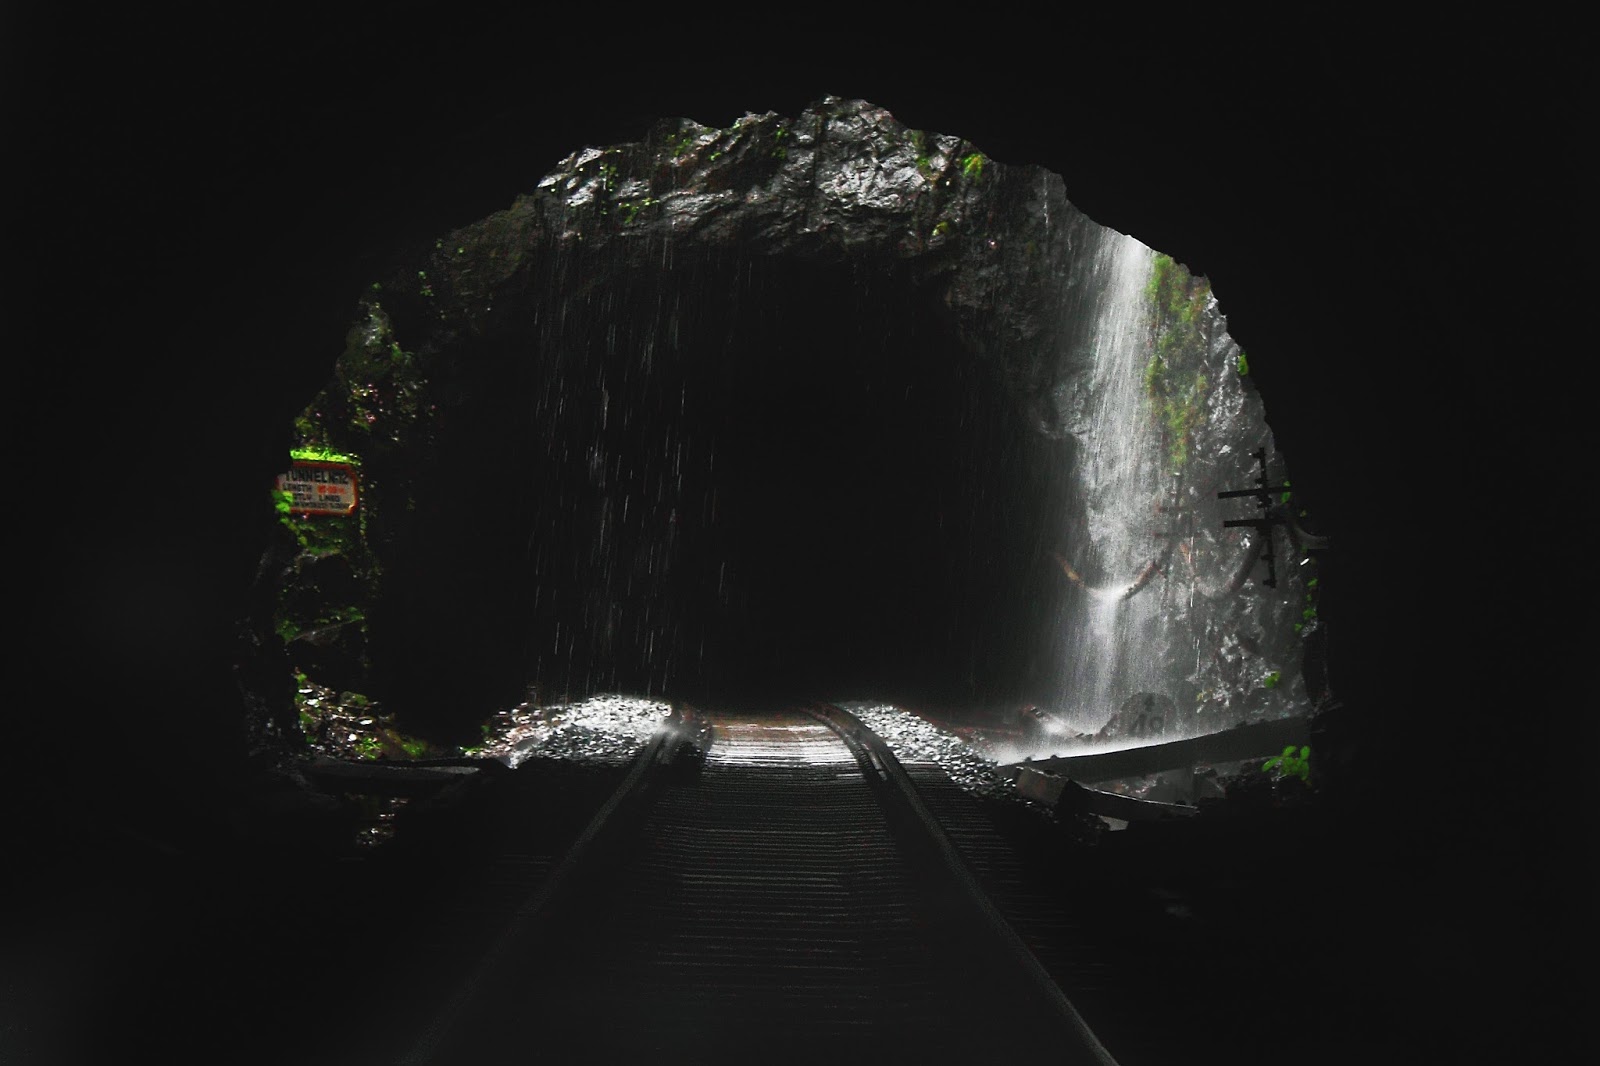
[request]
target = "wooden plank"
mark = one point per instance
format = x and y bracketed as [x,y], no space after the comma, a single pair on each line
[1256,740]
[1064,794]
[385,779]
[1075,797]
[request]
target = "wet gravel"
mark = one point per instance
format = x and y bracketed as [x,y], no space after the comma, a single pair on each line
[915,739]
[604,730]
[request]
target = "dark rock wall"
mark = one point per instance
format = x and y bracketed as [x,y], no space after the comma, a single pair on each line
[190,240]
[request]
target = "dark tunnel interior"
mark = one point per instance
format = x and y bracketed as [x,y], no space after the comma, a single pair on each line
[742,478]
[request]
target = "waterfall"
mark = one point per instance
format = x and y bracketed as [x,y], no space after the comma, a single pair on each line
[1116,635]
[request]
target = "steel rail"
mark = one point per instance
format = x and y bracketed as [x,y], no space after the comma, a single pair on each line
[1003,940]
[768,905]
[529,922]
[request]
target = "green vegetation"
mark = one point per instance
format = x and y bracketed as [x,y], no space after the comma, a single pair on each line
[1291,763]
[972,167]
[919,141]
[679,143]
[1174,377]
[1175,292]
[1153,373]
[318,534]
[348,725]
[1181,413]
[317,454]
[629,210]
[1271,680]
[374,396]
[380,395]
[1308,613]
[1243,365]
[377,393]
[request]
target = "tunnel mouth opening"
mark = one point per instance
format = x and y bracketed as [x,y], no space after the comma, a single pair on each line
[821,407]
[740,478]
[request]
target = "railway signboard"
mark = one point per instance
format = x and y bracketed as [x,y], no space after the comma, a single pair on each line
[317,487]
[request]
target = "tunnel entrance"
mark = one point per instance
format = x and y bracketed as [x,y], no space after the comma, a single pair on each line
[820,406]
[737,478]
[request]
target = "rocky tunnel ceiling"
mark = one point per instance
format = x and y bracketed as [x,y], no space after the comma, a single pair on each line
[797,406]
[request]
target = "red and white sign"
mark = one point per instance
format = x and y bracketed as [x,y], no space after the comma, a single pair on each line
[320,488]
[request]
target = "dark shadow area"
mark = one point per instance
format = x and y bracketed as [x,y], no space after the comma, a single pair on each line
[722,481]
[1388,220]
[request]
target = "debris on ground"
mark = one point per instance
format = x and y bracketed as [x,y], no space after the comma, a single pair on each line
[607,728]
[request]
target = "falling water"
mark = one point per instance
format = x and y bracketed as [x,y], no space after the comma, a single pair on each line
[1115,630]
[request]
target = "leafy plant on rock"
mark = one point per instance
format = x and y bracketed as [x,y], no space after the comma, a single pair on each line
[1292,763]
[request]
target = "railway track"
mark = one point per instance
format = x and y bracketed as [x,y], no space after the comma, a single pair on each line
[766,886]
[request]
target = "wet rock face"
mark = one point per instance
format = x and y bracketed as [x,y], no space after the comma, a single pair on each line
[842,185]
[780,406]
